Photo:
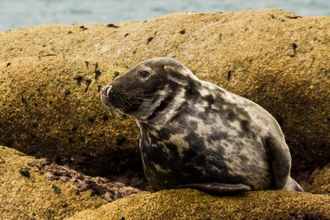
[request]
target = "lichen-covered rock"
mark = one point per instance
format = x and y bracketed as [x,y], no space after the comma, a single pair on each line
[50,107]
[192,204]
[26,194]
[321,183]
[276,58]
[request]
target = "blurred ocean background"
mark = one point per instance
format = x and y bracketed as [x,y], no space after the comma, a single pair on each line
[22,13]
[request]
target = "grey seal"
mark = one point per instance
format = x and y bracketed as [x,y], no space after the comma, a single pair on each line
[195,134]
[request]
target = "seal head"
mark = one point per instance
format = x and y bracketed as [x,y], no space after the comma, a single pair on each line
[195,134]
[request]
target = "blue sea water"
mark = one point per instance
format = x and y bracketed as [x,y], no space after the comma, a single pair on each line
[23,13]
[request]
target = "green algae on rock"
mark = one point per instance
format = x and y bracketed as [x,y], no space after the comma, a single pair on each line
[25,172]
[192,204]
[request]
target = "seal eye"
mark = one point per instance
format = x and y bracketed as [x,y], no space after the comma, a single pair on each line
[144,74]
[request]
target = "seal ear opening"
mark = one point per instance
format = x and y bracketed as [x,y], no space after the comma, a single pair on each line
[169,68]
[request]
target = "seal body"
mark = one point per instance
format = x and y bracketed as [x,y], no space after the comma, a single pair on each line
[196,134]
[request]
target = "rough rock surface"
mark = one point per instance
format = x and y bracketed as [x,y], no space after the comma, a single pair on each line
[26,194]
[278,59]
[192,204]
[50,107]
[321,183]
[36,189]
[109,188]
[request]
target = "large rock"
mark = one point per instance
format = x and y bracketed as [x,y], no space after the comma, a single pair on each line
[278,59]
[192,204]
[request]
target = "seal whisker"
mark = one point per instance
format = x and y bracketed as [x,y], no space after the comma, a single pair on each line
[112,111]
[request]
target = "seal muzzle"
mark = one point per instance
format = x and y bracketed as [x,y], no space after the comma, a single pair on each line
[105,95]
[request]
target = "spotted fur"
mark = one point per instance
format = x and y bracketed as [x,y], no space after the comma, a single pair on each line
[196,134]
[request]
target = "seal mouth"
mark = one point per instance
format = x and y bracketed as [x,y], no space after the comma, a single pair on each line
[122,101]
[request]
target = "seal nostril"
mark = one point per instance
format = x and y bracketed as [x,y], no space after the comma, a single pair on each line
[106,91]
[109,90]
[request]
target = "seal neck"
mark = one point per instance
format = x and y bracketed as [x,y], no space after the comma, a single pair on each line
[165,109]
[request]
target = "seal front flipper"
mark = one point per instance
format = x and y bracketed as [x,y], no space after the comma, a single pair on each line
[217,188]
